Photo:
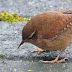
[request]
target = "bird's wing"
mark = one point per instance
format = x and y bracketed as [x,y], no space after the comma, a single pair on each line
[57,27]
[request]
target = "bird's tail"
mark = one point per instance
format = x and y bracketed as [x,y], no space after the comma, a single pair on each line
[20,44]
[66,11]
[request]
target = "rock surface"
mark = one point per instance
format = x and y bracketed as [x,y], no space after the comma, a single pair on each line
[10,37]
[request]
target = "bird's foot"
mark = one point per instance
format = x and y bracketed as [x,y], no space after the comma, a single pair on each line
[54,61]
[38,50]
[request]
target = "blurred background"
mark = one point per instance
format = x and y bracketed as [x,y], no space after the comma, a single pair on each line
[33,7]
[22,60]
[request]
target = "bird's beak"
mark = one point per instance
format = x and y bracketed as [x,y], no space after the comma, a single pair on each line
[20,44]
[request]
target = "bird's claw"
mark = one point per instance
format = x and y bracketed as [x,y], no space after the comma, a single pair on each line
[54,61]
[38,50]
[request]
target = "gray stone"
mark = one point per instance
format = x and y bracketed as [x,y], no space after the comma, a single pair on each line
[10,38]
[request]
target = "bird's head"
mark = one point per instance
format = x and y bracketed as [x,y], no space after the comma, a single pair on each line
[28,33]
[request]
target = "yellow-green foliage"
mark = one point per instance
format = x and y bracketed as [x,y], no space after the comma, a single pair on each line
[6,16]
[1,55]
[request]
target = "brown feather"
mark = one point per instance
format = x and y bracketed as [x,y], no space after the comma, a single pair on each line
[52,30]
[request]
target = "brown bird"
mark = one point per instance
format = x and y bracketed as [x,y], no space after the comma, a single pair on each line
[50,30]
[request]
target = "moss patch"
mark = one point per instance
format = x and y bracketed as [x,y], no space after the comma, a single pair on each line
[11,18]
[1,55]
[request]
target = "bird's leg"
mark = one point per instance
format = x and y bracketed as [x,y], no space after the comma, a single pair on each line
[56,59]
[38,49]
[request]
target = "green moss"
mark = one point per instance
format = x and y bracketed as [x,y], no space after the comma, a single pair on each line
[11,18]
[1,55]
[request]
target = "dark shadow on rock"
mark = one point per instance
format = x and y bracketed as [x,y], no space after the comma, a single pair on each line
[34,58]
